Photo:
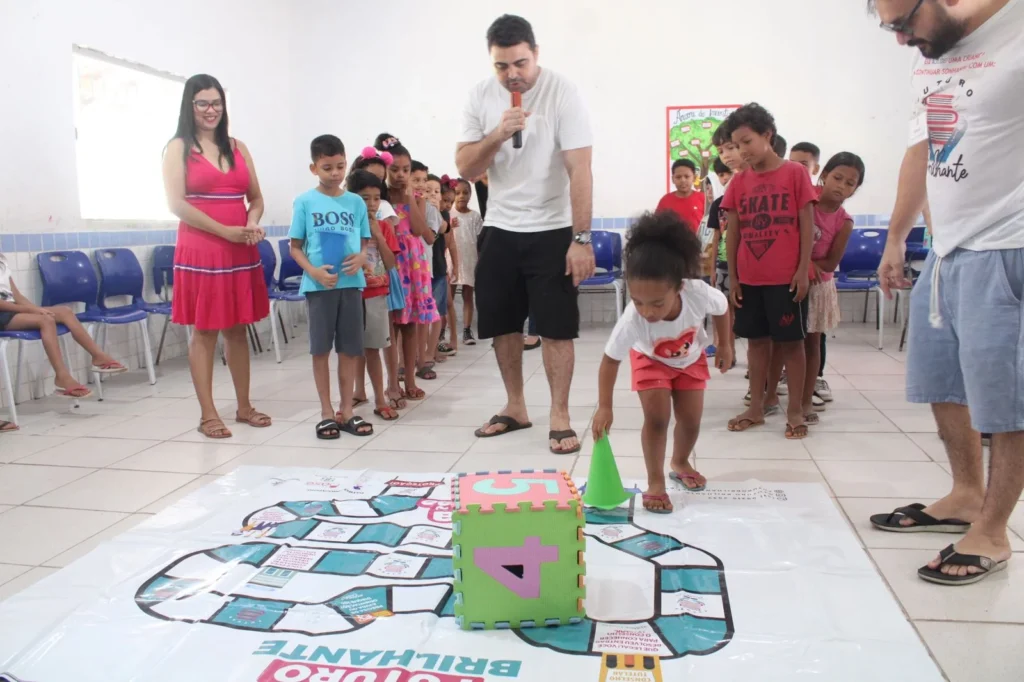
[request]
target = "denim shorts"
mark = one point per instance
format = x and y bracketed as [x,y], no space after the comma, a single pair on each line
[966,343]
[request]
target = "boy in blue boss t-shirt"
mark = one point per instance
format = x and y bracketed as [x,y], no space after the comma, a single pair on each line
[328,220]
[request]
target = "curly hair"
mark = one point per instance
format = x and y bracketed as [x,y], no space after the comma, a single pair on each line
[661,246]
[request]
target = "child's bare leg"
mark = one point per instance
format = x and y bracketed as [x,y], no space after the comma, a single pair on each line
[796,368]
[657,406]
[467,306]
[409,346]
[423,354]
[394,391]
[347,384]
[451,320]
[322,379]
[812,351]
[360,379]
[689,408]
[47,327]
[771,394]
[371,361]
[732,334]
[434,341]
[66,317]
[759,352]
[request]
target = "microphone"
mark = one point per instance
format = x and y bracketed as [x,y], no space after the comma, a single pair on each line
[517,137]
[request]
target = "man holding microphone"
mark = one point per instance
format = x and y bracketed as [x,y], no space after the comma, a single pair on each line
[535,247]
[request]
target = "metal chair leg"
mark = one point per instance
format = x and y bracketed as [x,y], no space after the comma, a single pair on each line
[10,388]
[17,369]
[97,377]
[881,318]
[867,297]
[163,335]
[147,350]
[274,333]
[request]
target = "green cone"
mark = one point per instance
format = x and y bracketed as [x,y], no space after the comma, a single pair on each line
[604,485]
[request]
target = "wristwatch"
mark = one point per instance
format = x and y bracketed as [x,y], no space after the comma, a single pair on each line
[582,237]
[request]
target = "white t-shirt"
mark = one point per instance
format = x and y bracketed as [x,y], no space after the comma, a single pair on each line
[969,106]
[6,294]
[385,211]
[529,187]
[677,343]
[434,221]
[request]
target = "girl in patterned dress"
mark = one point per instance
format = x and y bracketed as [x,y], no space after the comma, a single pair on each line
[412,259]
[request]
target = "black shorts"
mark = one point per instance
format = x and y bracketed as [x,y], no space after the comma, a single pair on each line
[5,319]
[770,311]
[520,275]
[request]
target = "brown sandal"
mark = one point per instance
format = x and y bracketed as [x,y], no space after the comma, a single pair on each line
[212,427]
[255,419]
[798,432]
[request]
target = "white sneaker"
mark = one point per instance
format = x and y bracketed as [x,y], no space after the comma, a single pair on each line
[822,390]
[817,404]
[783,387]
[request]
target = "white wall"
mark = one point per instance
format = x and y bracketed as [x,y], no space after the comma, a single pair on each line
[241,42]
[821,66]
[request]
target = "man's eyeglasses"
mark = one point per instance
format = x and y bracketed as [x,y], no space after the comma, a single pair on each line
[206,105]
[904,25]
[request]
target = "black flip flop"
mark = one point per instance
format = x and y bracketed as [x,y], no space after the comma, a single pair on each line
[352,427]
[950,557]
[532,346]
[923,523]
[4,427]
[562,435]
[328,429]
[509,423]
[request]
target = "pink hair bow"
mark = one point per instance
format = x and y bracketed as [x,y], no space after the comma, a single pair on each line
[372,153]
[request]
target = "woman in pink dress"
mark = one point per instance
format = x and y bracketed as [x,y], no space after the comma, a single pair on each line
[219,285]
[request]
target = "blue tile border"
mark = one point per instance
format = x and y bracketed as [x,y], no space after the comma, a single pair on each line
[49,241]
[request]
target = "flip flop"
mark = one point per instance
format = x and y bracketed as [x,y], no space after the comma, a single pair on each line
[923,522]
[687,477]
[414,394]
[209,427]
[388,414]
[356,402]
[735,424]
[950,557]
[6,427]
[563,435]
[812,419]
[646,497]
[510,423]
[75,392]
[110,368]
[254,419]
[397,403]
[426,373]
[328,429]
[772,410]
[353,425]
[795,433]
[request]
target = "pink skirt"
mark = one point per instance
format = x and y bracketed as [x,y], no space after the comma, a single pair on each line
[823,307]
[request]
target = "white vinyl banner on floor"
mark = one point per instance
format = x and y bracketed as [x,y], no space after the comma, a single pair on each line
[306,575]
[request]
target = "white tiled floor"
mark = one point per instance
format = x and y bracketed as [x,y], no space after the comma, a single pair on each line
[74,478]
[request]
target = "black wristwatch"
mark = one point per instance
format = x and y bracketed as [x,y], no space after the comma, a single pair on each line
[582,237]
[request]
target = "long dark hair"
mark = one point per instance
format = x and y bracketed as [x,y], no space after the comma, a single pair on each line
[187,119]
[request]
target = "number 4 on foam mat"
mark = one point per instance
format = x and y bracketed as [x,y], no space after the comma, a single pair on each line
[517,568]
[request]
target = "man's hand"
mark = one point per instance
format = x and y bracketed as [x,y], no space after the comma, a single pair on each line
[512,121]
[891,273]
[353,263]
[579,262]
[602,423]
[324,277]
[800,284]
[723,359]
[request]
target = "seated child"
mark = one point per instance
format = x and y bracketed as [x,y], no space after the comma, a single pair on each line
[686,202]
[662,333]
[842,177]
[333,299]
[380,259]
[17,313]
[768,240]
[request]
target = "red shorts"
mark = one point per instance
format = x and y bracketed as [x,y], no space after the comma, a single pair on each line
[650,374]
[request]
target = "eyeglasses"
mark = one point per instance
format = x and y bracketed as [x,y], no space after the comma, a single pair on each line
[903,25]
[206,105]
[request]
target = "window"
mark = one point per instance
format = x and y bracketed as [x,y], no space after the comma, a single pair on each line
[124,115]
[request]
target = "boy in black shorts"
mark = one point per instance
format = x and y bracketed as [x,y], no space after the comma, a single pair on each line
[768,242]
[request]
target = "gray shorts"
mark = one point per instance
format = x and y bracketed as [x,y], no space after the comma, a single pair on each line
[376,323]
[976,356]
[335,320]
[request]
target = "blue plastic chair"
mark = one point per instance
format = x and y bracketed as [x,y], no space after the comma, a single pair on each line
[11,387]
[68,277]
[858,270]
[163,283]
[608,263]
[290,276]
[917,253]
[269,260]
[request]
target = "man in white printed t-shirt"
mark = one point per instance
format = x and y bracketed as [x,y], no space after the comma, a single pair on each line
[535,245]
[966,348]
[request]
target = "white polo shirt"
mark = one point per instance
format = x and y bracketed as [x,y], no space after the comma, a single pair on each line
[529,187]
[969,106]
